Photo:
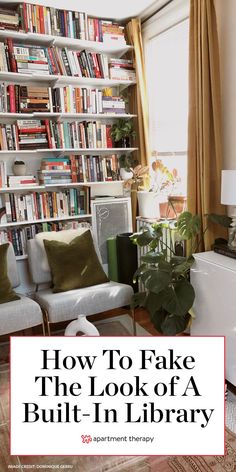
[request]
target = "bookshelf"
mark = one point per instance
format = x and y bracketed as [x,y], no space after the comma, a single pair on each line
[76,47]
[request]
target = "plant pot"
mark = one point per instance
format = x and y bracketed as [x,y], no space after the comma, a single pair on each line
[176,205]
[149,204]
[123,143]
[19,169]
[125,174]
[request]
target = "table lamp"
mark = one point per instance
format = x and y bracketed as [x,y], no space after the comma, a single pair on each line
[228,197]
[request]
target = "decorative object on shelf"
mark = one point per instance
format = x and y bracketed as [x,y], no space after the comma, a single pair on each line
[122,132]
[228,197]
[19,168]
[126,163]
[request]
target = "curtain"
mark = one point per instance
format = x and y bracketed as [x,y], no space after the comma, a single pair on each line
[138,102]
[204,138]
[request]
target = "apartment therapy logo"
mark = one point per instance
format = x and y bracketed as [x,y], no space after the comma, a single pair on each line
[134,394]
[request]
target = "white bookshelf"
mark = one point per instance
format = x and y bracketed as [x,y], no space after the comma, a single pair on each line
[44,220]
[31,157]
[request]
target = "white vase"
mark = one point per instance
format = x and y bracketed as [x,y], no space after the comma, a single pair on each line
[149,204]
[125,174]
[19,169]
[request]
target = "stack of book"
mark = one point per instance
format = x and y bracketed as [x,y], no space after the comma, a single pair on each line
[31,135]
[121,69]
[55,171]
[105,31]
[32,99]
[19,236]
[21,180]
[4,64]
[29,60]
[49,20]
[36,206]
[114,105]
[9,19]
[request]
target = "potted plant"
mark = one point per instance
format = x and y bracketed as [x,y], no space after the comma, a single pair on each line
[122,133]
[154,203]
[126,164]
[168,295]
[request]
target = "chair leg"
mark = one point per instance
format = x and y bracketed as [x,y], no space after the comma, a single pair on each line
[134,322]
[43,328]
[46,322]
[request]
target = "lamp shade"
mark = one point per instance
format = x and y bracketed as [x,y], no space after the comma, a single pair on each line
[228,187]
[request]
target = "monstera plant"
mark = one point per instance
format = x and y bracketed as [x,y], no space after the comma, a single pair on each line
[168,295]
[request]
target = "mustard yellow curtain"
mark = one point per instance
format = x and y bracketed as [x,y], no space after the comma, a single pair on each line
[204,140]
[138,101]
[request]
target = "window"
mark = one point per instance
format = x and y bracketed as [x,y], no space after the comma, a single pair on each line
[166,56]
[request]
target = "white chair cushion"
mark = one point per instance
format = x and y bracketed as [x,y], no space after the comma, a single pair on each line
[20,314]
[12,267]
[87,301]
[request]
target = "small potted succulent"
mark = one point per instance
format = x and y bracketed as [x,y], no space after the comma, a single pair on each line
[19,168]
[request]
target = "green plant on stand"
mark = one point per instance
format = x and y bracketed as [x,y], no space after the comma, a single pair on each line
[169,294]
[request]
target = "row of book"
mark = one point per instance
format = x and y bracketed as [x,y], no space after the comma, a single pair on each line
[76,169]
[57,22]
[45,134]
[50,20]
[69,99]
[39,60]
[44,205]
[19,236]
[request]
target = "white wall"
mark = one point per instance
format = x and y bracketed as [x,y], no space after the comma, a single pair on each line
[226,20]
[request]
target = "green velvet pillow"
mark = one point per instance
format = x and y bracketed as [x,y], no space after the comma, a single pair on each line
[6,292]
[74,265]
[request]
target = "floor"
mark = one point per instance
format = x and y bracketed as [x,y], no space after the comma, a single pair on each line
[80,464]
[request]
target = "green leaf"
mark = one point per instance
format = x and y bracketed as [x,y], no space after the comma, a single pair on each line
[138,299]
[140,270]
[152,257]
[158,319]
[179,298]
[183,267]
[154,302]
[222,220]
[158,281]
[144,238]
[188,225]
[164,266]
[173,324]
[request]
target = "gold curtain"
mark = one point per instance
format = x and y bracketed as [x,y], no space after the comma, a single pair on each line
[138,101]
[204,139]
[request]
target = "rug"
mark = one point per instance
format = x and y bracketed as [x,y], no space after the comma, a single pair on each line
[225,463]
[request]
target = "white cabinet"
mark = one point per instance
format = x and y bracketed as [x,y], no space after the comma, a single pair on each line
[214,279]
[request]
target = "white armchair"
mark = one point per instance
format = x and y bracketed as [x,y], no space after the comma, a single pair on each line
[69,305]
[19,314]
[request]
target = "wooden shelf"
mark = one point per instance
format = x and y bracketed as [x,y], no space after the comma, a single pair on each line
[45,220]
[16,78]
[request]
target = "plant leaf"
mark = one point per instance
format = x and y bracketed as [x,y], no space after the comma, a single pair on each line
[152,257]
[138,299]
[158,281]
[154,302]
[179,298]
[188,225]
[173,324]
[222,220]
